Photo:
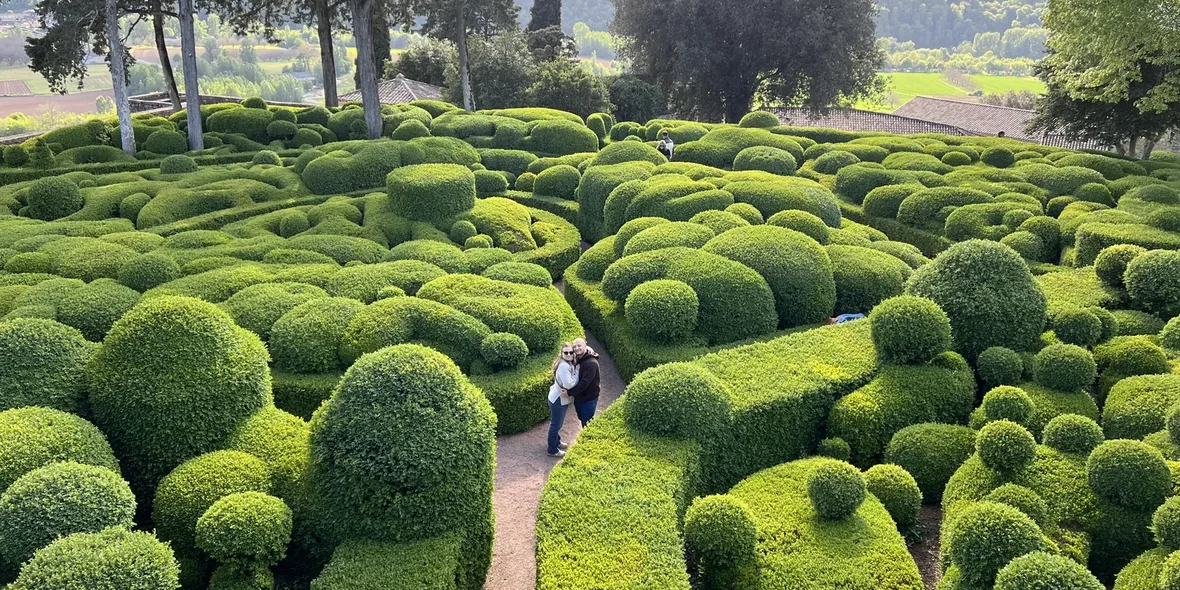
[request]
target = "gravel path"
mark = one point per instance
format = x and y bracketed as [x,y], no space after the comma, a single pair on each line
[522,467]
[925,552]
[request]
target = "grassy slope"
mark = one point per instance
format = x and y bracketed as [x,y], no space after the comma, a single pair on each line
[98,79]
[902,87]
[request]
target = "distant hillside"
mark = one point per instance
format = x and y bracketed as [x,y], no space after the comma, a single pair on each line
[947,23]
[597,14]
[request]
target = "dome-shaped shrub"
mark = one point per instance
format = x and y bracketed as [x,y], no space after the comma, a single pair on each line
[746,211]
[32,437]
[897,490]
[802,222]
[258,307]
[1071,433]
[190,489]
[307,338]
[702,407]
[1007,403]
[1165,523]
[114,559]
[148,270]
[503,350]
[43,364]
[1044,571]
[1170,335]
[166,141]
[524,273]
[1076,325]
[985,537]
[1153,281]
[52,198]
[797,269]
[721,530]
[1129,473]
[1128,356]
[931,453]
[1022,499]
[173,378]
[250,528]
[557,181]
[93,309]
[718,221]
[999,366]
[836,489]
[279,129]
[668,235]
[834,447]
[833,161]
[908,329]
[58,500]
[428,483]
[431,192]
[1112,261]
[29,262]
[998,157]
[662,310]
[766,158]
[760,119]
[267,157]
[1027,244]
[987,292]
[956,159]
[1005,446]
[178,164]
[1065,367]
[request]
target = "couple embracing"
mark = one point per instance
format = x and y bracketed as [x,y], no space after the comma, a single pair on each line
[575,381]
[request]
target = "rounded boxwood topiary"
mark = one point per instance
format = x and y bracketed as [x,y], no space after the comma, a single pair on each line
[148,270]
[431,192]
[266,157]
[1071,433]
[307,338]
[503,350]
[898,491]
[1131,356]
[747,212]
[131,205]
[1005,446]
[303,138]
[557,181]
[258,307]
[802,222]
[427,484]
[32,437]
[931,453]
[766,158]
[1022,499]
[909,330]
[1044,571]
[113,559]
[178,164]
[173,378]
[44,365]
[998,157]
[701,408]
[52,198]
[1129,473]
[58,500]
[1170,335]
[833,161]
[662,310]
[525,273]
[836,489]
[985,537]
[279,129]
[16,155]
[759,119]
[1065,367]
[956,159]
[834,447]
[989,295]
[245,528]
[190,489]
[462,230]
[1153,281]
[93,309]
[721,530]
[166,141]
[1112,261]
[1007,403]
[478,241]
[1076,325]
[1165,524]
[29,262]
[999,366]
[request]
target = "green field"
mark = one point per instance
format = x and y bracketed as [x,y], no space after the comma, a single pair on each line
[99,78]
[901,87]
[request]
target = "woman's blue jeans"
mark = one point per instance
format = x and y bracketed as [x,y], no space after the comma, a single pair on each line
[556,420]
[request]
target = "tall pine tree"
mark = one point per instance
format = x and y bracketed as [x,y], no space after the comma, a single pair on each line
[545,13]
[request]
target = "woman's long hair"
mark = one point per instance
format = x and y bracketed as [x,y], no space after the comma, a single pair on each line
[557,361]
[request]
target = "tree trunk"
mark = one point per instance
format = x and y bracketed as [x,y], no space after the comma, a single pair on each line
[1132,146]
[464,78]
[737,104]
[192,91]
[165,61]
[323,19]
[119,77]
[362,23]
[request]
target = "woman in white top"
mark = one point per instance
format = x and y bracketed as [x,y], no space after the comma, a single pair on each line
[565,376]
[666,146]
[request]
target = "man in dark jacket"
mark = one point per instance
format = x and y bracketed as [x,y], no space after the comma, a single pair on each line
[585,393]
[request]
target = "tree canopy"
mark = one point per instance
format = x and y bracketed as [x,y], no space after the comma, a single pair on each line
[714,56]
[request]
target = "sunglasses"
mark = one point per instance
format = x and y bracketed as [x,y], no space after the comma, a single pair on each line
[567,353]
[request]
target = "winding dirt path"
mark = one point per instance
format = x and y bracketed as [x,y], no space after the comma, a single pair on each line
[925,552]
[522,467]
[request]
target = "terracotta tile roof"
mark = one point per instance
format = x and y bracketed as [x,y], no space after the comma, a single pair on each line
[974,117]
[400,90]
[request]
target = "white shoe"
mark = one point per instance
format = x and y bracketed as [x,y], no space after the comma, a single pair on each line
[563,446]
[559,453]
